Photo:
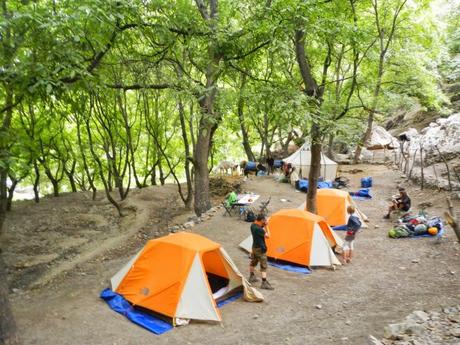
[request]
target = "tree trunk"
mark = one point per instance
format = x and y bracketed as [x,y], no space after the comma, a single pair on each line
[209,119]
[329,148]
[36,182]
[244,132]
[14,183]
[71,176]
[8,335]
[201,154]
[189,197]
[314,168]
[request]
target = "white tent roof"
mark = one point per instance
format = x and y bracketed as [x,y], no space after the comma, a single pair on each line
[303,157]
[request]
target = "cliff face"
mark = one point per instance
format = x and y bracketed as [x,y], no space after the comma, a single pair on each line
[433,142]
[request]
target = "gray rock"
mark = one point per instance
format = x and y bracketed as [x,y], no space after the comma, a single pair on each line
[418,316]
[318,306]
[173,228]
[373,341]
[415,329]
[394,331]
[455,332]
[189,225]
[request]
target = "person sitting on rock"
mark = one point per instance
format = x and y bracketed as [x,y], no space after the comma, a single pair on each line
[399,203]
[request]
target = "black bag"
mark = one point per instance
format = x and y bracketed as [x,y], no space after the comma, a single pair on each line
[250,216]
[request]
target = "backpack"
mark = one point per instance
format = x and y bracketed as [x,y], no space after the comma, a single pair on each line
[250,216]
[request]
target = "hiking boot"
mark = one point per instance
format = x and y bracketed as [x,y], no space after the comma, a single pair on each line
[266,285]
[253,279]
[387,216]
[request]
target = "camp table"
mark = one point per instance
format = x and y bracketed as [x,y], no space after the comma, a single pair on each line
[244,201]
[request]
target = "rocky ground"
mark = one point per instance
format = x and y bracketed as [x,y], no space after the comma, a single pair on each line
[441,326]
[62,252]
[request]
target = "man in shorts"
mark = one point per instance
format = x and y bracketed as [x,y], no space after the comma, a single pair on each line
[401,203]
[353,225]
[259,252]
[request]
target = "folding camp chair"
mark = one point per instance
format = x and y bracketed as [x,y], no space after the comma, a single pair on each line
[263,208]
[228,209]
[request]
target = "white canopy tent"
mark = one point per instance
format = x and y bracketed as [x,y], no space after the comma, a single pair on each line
[301,160]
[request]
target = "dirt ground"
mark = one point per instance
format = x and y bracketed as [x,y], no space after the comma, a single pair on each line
[62,252]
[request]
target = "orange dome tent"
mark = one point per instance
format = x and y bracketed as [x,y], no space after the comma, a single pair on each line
[173,276]
[299,237]
[332,205]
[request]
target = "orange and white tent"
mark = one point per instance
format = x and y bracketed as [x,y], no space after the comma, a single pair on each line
[299,237]
[174,275]
[332,205]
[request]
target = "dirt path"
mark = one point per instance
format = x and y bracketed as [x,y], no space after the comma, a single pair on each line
[387,280]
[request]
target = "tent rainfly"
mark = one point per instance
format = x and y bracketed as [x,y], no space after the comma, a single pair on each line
[332,205]
[299,237]
[301,159]
[181,276]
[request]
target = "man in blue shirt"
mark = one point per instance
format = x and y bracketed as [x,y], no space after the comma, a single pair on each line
[353,225]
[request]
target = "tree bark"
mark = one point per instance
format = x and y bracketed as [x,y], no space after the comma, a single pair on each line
[189,198]
[36,182]
[315,168]
[244,132]
[209,119]
[8,334]
[452,219]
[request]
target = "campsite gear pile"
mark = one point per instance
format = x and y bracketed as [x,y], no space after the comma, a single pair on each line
[340,182]
[418,225]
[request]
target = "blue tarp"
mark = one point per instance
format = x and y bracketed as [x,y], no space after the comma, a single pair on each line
[362,194]
[290,268]
[142,318]
[230,299]
[303,184]
[139,317]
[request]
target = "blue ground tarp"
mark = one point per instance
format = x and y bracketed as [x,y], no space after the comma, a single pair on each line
[290,268]
[144,319]
[139,317]
[230,299]
[303,185]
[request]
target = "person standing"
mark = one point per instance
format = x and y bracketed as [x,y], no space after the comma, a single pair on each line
[270,163]
[259,252]
[353,225]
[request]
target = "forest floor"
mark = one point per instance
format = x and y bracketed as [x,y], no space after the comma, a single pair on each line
[62,252]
